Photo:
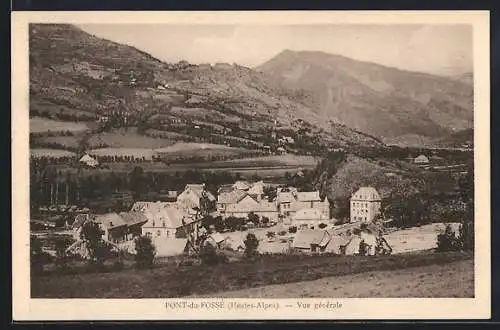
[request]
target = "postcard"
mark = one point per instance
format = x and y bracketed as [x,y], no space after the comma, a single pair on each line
[251,165]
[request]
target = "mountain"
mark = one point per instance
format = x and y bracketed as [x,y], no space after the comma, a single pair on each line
[74,73]
[382,101]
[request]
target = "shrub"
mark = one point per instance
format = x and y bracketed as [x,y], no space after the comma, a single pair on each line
[145,252]
[447,241]
[363,248]
[322,225]
[251,244]
[209,255]
[292,230]
[270,234]
[282,233]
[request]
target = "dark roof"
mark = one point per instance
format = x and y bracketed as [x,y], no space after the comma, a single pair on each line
[133,218]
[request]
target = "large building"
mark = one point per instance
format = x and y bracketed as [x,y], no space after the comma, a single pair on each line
[289,201]
[365,204]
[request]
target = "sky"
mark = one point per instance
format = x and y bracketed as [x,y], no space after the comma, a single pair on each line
[436,49]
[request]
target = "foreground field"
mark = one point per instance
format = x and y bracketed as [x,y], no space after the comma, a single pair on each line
[452,280]
[175,281]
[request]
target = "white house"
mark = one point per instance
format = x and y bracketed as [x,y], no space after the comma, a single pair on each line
[365,204]
[89,160]
[422,159]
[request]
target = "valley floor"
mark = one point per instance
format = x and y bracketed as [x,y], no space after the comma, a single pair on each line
[453,280]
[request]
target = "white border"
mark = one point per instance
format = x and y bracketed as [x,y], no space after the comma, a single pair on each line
[25,308]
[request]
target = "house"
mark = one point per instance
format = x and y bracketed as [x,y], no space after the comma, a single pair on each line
[422,160]
[337,244]
[365,204]
[89,161]
[113,225]
[229,197]
[289,201]
[256,191]
[281,151]
[134,221]
[168,220]
[308,217]
[311,240]
[248,205]
[196,196]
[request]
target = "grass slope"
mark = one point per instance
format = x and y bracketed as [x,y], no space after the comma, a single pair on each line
[171,281]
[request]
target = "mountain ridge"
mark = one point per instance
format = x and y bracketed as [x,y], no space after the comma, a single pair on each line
[73,72]
[382,101]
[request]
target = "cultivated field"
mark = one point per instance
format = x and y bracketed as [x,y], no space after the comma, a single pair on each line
[269,161]
[128,138]
[452,280]
[63,141]
[54,153]
[172,280]
[41,125]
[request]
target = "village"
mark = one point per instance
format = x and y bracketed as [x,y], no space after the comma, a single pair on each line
[292,220]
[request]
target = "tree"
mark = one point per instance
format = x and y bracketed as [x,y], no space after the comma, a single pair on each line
[92,234]
[137,181]
[145,252]
[363,248]
[251,244]
[466,236]
[447,241]
[253,217]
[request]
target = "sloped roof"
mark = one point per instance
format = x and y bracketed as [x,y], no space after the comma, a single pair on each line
[307,196]
[230,197]
[308,214]
[87,158]
[366,194]
[285,197]
[422,158]
[305,237]
[257,188]
[242,185]
[133,218]
[248,204]
[200,191]
[110,220]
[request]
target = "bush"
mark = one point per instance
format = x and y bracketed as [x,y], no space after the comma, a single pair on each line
[363,248]
[447,241]
[251,244]
[322,225]
[292,230]
[209,255]
[145,252]
[92,234]
[270,234]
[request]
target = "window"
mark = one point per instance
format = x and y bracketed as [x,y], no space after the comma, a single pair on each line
[163,224]
[153,223]
[158,233]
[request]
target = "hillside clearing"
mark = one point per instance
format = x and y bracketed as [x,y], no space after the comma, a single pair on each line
[452,280]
